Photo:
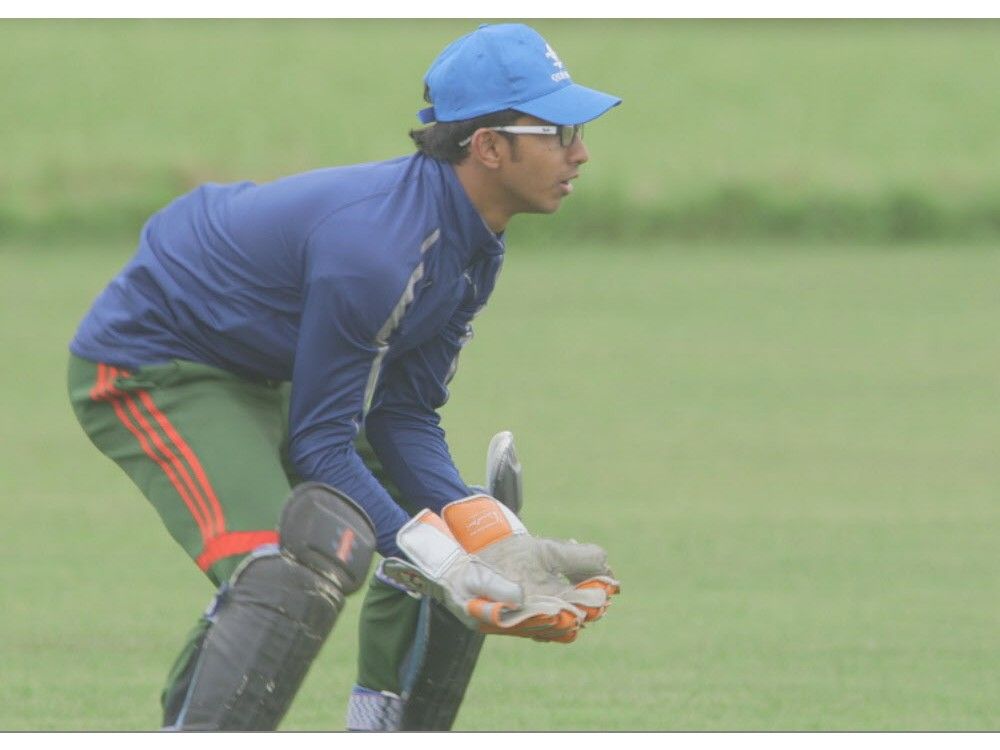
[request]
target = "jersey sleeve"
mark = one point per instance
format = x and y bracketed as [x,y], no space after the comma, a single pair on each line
[335,357]
[403,425]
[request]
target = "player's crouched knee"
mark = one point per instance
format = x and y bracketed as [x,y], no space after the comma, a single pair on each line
[327,532]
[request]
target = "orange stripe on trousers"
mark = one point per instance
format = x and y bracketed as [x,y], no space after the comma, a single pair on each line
[104,390]
[216,542]
[233,543]
[192,460]
[212,526]
[148,450]
[202,491]
[95,392]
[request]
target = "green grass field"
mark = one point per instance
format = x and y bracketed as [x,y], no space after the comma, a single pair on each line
[791,456]
[788,128]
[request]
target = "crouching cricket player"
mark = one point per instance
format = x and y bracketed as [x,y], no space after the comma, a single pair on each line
[268,368]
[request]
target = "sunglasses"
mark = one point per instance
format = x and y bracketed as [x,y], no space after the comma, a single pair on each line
[567,133]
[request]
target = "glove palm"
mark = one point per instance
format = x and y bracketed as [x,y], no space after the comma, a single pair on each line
[559,571]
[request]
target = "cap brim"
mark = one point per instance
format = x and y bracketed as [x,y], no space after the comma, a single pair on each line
[570,105]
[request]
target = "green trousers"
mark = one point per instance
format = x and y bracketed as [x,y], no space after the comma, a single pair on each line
[208,449]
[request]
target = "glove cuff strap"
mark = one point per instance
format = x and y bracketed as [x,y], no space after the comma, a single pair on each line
[428,542]
[479,521]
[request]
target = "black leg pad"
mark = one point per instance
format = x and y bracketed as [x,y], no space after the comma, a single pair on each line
[450,651]
[267,631]
[271,620]
[327,532]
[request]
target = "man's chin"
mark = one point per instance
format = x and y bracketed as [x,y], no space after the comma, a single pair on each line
[549,207]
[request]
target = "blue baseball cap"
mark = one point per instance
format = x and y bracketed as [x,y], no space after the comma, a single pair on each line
[507,66]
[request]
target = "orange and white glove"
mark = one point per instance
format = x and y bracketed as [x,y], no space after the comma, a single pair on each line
[474,592]
[560,572]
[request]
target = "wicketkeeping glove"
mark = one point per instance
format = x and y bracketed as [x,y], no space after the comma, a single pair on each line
[560,571]
[471,590]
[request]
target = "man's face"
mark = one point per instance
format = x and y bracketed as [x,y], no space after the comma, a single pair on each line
[537,173]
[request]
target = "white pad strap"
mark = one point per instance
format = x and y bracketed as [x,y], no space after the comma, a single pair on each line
[373,710]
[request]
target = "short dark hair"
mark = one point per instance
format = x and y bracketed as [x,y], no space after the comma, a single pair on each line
[440,140]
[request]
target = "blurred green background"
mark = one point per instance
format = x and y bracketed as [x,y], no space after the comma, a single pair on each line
[883,130]
[754,355]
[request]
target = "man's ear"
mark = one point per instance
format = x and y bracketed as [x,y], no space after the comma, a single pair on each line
[485,148]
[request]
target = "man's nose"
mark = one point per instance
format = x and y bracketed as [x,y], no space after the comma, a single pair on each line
[577,152]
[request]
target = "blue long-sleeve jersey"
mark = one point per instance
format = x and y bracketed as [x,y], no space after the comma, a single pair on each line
[358,284]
